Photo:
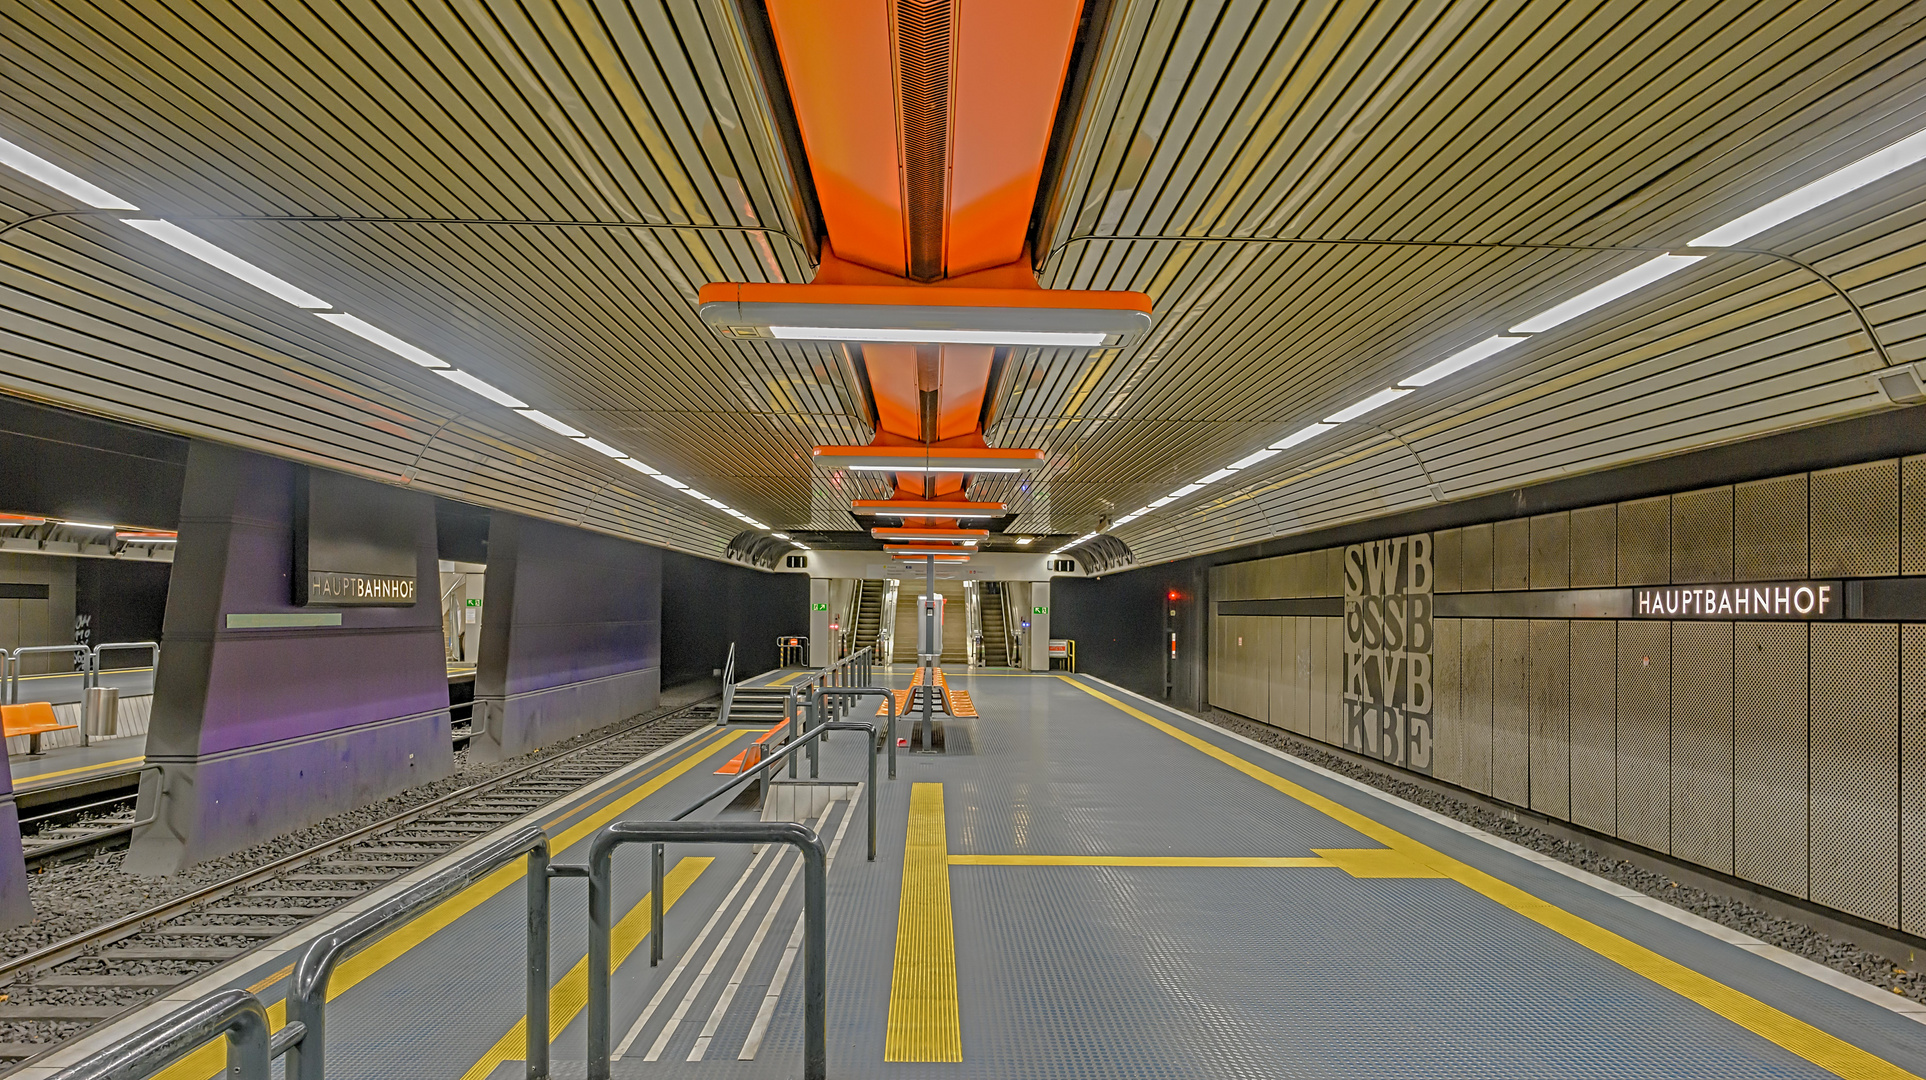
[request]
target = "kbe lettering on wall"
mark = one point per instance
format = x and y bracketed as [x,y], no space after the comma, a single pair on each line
[1387,650]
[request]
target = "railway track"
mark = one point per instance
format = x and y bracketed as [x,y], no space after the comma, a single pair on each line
[59,992]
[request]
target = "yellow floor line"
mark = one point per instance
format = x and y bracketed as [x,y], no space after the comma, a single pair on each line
[924,1021]
[1825,1050]
[211,1058]
[569,996]
[1205,861]
[35,778]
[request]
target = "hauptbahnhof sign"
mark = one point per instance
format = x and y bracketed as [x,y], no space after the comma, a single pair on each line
[1771,600]
[359,590]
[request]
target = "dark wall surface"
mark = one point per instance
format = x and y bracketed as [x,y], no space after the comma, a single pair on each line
[120,601]
[708,604]
[65,465]
[1119,623]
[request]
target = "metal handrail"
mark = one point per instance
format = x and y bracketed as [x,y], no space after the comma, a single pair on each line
[728,687]
[856,693]
[234,1013]
[308,986]
[93,676]
[815,921]
[13,687]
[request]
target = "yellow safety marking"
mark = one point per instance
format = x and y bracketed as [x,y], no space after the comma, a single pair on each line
[570,996]
[1823,1049]
[1204,861]
[787,679]
[1378,863]
[924,1022]
[71,674]
[211,1058]
[36,778]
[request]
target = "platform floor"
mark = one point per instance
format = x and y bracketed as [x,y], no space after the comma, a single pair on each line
[72,764]
[1088,885]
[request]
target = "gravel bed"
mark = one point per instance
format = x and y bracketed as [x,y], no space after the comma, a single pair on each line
[1840,955]
[75,897]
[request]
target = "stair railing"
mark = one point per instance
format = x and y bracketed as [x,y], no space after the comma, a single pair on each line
[728,687]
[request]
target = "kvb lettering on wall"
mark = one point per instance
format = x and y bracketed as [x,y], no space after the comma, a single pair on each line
[1387,650]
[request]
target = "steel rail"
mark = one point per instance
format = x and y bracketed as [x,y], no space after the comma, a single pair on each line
[62,951]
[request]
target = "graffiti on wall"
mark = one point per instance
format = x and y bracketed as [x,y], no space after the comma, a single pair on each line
[1387,650]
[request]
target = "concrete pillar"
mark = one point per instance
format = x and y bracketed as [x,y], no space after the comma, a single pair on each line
[571,635]
[16,907]
[819,636]
[270,716]
[1039,632]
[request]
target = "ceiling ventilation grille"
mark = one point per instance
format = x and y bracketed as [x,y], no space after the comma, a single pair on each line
[923,81]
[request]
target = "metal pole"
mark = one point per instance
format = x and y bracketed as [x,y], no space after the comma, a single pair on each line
[656,919]
[536,1053]
[601,925]
[925,740]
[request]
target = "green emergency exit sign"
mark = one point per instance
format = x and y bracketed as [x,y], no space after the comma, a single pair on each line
[1039,611]
[819,607]
[474,601]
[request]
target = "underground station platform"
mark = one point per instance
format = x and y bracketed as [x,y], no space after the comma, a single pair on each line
[1082,883]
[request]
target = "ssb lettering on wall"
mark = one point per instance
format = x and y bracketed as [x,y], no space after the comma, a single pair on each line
[1387,650]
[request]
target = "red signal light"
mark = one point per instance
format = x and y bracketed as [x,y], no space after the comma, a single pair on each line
[1173,594]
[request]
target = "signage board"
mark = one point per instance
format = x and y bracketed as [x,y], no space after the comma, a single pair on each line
[336,589]
[474,601]
[1767,600]
[355,543]
[1059,648]
[819,607]
[1039,611]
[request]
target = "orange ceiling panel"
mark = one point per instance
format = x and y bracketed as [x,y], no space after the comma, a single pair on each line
[838,63]
[1011,58]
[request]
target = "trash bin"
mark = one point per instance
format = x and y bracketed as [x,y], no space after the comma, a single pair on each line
[100,716]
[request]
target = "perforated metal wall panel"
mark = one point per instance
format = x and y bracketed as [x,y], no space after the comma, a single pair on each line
[1551,760]
[1702,742]
[1855,524]
[1551,551]
[1511,554]
[1645,541]
[1475,693]
[1769,529]
[1855,765]
[1702,536]
[1511,710]
[1769,828]
[1912,778]
[1474,559]
[1284,690]
[1912,515]
[1332,578]
[1446,546]
[1447,726]
[1644,743]
[1323,676]
[1595,547]
[1334,701]
[1594,697]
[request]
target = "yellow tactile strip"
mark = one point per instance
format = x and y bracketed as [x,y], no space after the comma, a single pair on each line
[1823,1049]
[924,1022]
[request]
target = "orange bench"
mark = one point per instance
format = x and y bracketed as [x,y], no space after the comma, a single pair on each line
[33,719]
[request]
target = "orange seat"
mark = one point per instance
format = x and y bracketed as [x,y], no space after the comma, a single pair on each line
[33,719]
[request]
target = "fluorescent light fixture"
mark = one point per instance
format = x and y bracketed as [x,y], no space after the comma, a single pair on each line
[1376,401]
[671,481]
[601,447]
[1261,455]
[757,524]
[148,539]
[1126,519]
[925,468]
[639,467]
[220,259]
[693,493]
[555,425]
[469,382]
[1309,431]
[1216,476]
[1160,502]
[39,168]
[1460,360]
[805,547]
[1058,339]
[1022,540]
[85,525]
[794,544]
[386,340]
[1604,293]
[781,536]
[1180,493]
[1821,191]
[717,503]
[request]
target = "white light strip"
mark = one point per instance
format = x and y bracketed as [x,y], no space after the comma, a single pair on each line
[1309,431]
[1185,490]
[941,337]
[1260,456]
[639,467]
[220,259]
[147,539]
[383,338]
[38,168]
[1460,360]
[781,536]
[553,424]
[1599,295]
[1216,476]
[85,525]
[601,447]
[1873,166]
[926,468]
[1376,401]
[671,481]
[469,382]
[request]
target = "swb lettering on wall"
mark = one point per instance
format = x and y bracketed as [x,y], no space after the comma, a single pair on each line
[1387,650]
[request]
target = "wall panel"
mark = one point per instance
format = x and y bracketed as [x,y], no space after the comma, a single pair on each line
[1645,541]
[1769,529]
[1855,520]
[1474,554]
[1912,515]
[1446,547]
[1702,742]
[1448,736]
[1855,767]
[1551,760]
[1912,778]
[1594,723]
[1511,711]
[1644,733]
[1475,701]
[1702,536]
[1511,554]
[1769,830]
[1551,551]
[1595,547]
[1334,697]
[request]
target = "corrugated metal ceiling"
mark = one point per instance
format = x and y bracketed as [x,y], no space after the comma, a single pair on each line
[490,181]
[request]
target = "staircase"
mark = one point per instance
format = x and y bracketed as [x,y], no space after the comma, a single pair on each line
[956,625]
[760,705]
[996,640]
[869,615]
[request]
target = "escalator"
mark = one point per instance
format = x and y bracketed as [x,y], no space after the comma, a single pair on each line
[869,614]
[996,639]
